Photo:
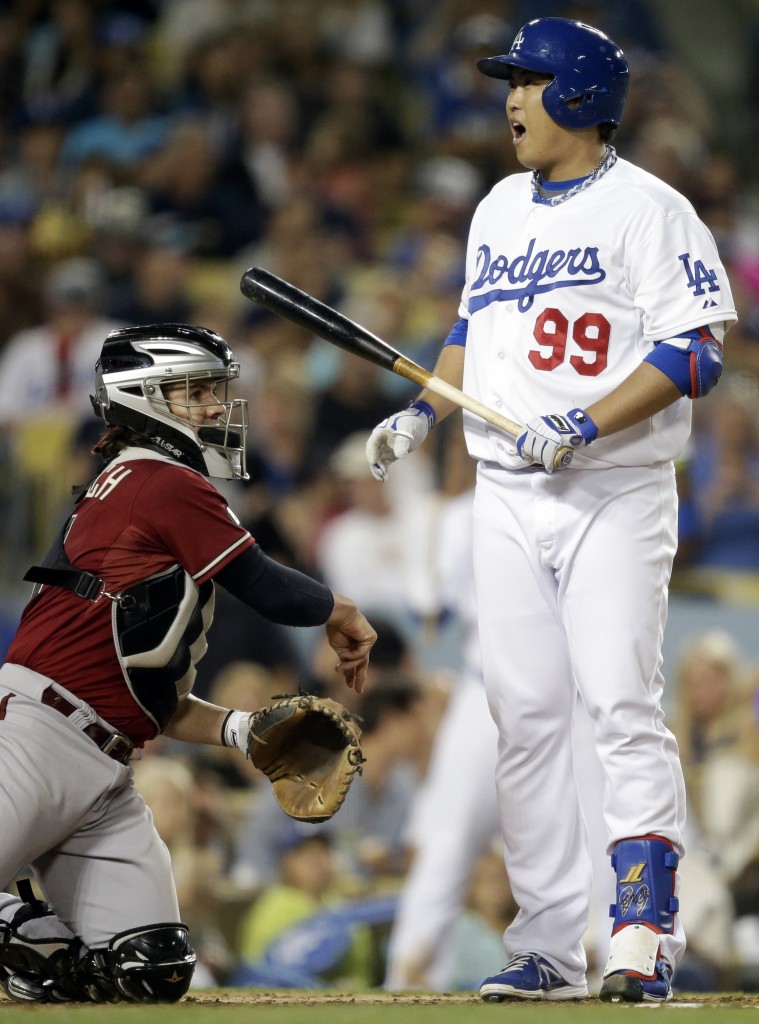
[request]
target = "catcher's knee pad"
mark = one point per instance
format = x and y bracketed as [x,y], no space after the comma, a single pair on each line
[645,905]
[154,964]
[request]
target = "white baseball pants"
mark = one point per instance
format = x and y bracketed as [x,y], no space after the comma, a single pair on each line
[571,574]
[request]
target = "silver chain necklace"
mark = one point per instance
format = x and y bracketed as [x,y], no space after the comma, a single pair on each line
[605,164]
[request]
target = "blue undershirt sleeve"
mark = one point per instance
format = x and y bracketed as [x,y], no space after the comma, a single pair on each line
[458,333]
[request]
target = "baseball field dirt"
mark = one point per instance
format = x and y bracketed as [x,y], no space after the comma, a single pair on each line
[257,1006]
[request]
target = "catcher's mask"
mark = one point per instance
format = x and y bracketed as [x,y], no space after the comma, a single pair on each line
[135,367]
[585,64]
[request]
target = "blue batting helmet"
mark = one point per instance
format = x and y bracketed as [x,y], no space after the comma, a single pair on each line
[586,65]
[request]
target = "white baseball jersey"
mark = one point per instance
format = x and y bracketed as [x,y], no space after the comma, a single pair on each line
[565,301]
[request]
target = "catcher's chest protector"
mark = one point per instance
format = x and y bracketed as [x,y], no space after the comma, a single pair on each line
[159,627]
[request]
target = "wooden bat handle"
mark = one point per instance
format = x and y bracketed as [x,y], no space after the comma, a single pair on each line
[412,371]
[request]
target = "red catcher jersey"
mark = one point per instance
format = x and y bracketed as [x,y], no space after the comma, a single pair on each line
[142,515]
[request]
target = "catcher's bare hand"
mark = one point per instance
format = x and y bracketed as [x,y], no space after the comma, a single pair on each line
[351,637]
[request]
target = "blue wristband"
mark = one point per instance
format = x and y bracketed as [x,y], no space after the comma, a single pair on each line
[582,422]
[426,409]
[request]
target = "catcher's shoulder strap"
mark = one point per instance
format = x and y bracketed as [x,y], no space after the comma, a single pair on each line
[83,584]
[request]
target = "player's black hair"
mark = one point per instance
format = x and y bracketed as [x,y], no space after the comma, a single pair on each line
[400,694]
[391,647]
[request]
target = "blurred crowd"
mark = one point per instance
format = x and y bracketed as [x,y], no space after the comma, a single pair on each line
[150,152]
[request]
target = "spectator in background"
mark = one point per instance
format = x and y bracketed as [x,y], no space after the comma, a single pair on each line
[281,423]
[160,281]
[208,75]
[357,156]
[185,32]
[375,545]
[180,178]
[349,389]
[301,245]
[258,170]
[477,936]
[744,887]
[465,113]
[48,368]
[242,635]
[21,270]
[359,30]
[116,218]
[249,686]
[394,656]
[357,105]
[35,176]
[286,501]
[745,895]
[444,195]
[308,880]
[60,56]
[128,128]
[716,737]
[724,481]
[715,731]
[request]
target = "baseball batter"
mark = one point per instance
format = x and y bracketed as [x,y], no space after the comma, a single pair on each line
[594,308]
[104,660]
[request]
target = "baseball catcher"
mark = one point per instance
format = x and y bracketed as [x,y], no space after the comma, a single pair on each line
[104,660]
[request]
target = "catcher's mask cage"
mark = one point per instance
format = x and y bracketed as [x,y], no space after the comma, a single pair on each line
[585,65]
[132,376]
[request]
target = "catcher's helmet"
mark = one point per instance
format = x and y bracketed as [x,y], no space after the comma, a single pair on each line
[134,365]
[585,65]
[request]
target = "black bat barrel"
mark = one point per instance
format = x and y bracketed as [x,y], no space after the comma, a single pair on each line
[314,316]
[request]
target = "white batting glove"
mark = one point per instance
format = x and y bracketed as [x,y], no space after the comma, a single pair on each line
[545,435]
[398,435]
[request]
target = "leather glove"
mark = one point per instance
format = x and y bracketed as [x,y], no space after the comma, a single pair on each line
[545,435]
[310,749]
[398,435]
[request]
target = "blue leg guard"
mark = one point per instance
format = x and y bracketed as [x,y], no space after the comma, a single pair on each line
[645,870]
[645,909]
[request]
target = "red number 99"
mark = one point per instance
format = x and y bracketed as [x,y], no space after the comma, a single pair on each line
[590,332]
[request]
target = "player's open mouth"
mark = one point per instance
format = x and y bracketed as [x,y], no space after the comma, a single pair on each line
[517,132]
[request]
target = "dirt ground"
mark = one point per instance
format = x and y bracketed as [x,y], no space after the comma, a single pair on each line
[253,997]
[299,997]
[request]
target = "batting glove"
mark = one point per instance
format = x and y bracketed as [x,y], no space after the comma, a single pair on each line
[545,435]
[398,435]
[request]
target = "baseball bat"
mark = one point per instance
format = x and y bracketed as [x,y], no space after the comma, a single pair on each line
[292,304]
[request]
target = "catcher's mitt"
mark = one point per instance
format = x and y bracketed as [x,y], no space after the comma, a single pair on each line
[309,748]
